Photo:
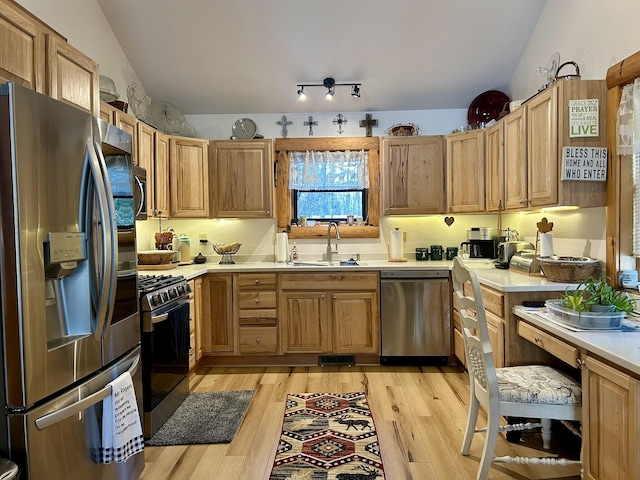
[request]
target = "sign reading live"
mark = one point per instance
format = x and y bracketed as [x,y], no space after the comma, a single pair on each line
[583,118]
[586,164]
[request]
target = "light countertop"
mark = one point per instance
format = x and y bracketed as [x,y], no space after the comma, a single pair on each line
[488,275]
[617,346]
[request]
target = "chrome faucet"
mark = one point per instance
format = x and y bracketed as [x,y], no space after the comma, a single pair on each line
[329,251]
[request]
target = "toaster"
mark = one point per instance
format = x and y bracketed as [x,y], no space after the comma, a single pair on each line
[506,250]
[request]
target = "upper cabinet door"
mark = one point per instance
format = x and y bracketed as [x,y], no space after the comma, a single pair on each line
[161,174]
[494,166]
[413,175]
[515,159]
[22,57]
[465,171]
[72,76]
[242,178]
[189,177]
[542,145]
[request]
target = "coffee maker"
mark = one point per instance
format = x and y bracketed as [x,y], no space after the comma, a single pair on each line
[479,248]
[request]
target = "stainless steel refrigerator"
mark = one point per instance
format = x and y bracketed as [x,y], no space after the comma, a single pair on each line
[68,287]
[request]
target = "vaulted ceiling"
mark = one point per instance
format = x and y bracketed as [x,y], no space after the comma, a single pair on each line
[248,56]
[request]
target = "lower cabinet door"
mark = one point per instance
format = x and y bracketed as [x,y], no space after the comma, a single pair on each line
[305,326]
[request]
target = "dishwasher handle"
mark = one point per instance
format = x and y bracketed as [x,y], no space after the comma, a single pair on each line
[410,274]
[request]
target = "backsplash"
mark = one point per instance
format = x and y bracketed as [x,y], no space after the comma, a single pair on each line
[575,232]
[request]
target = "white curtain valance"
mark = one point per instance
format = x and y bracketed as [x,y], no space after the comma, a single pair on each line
[628,143]
[329,170]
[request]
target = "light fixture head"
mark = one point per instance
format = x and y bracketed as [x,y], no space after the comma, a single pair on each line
[301,93]
[329,94]
[355,91]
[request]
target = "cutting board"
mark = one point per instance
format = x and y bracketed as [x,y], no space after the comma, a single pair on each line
[162,266]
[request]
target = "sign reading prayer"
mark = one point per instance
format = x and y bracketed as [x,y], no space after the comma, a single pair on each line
[587,164]
[583,118]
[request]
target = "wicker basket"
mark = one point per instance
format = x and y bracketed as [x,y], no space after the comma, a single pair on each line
[568,272]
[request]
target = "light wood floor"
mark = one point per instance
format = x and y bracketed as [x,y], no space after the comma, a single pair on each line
[420,414]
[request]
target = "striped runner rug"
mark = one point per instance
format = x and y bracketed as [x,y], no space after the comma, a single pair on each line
[328,436]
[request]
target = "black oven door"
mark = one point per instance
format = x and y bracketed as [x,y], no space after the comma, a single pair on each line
[165,351]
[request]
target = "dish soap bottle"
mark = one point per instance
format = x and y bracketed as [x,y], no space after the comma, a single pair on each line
[294,253]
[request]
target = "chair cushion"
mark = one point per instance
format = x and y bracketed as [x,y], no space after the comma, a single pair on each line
[538,384]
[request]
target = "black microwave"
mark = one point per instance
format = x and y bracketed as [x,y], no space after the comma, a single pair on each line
[140,192]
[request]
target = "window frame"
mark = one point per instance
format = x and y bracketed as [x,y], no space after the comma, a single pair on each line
[284,196]
[295,200]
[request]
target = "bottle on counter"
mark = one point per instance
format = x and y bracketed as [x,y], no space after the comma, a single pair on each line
[294,253]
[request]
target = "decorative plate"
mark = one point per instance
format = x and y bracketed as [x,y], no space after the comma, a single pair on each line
[486,106]
[244,128]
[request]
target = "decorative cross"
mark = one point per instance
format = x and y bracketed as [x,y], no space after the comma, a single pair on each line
[369,122]
[284,122]
[340,120]
[310,123]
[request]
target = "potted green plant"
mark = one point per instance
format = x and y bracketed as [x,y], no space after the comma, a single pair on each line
[597,296]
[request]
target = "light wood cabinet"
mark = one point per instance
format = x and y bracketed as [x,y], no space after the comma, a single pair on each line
[548,131]
[188,177]
[413,175]
[465,169]
[108,113]
[217,314]
[71,76]
[515,159]
[128,123]
[160,190]
[610,415]
[494,167]
[341,317]
[257,313]
[242,178]
[22,51]
[353,330]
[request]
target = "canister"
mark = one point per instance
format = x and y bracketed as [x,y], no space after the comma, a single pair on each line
[185,248]
[452,252]
[436,252]
[422,253]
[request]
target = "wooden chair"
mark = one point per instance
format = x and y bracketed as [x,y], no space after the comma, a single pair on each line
[531,391]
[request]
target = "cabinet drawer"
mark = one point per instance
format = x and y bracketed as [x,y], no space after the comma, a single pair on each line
[257,280]
[329,281]
[192,351]
[258,340]
[493,301]
[258,317]
[556,347]
[248,300]
[457,324]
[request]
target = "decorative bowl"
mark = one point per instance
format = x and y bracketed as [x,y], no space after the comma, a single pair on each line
[155,257]
[568,269]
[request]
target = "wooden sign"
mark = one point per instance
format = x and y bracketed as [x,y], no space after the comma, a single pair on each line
[583,118]
[584,164]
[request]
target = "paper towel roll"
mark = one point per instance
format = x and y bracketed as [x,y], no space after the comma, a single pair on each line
[395,244]
[546,244]
[282,247]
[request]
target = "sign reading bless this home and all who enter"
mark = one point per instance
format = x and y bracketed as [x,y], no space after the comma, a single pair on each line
[584,163]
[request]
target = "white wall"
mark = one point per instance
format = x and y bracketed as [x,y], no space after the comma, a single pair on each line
[593,33]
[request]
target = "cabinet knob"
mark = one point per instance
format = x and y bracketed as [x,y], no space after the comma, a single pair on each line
[537,339]
[257,301]
[580,362]
[257,281]
[257,340]
[322,296]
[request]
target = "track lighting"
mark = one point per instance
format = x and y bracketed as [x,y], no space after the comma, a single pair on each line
[330,84]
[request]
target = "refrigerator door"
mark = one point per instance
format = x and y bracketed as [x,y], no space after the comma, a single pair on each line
[51,337]
[60,435]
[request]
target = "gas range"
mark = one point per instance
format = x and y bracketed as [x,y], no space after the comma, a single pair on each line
[157,291]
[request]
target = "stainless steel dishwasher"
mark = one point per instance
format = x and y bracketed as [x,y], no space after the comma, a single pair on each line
[415,317]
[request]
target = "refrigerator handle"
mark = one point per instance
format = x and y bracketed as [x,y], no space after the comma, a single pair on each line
[75,408]
[105,218]
[112,234]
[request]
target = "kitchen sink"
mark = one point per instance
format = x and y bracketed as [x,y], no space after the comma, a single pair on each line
[324,263]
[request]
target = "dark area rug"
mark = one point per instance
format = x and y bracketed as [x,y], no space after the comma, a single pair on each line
[204,417]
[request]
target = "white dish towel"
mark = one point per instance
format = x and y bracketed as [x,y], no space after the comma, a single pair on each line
[121,428]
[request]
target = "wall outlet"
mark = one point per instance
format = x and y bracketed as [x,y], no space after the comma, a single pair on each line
[203,237]
[404,236]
